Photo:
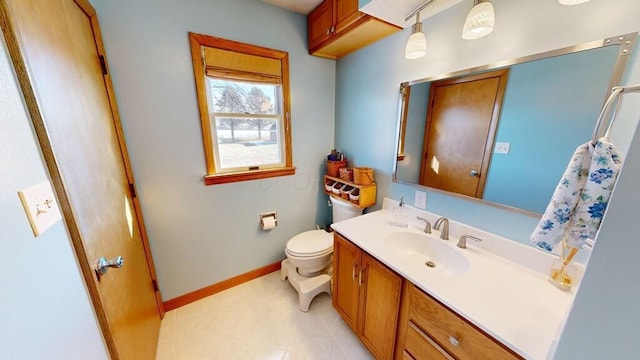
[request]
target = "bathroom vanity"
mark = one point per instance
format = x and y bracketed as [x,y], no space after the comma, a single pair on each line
[411,295]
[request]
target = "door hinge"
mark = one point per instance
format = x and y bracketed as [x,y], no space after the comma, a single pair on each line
[132,190]
[103,64]
[155,285]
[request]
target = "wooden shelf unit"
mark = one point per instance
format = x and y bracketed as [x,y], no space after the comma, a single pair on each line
[367,192]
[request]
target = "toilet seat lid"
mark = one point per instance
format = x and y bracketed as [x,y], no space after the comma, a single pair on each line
[310,243]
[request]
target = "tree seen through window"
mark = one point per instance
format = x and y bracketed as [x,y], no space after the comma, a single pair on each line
[245,116]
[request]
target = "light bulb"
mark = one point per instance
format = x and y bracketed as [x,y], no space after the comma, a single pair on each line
[572,2]
[479,21]
[417,43]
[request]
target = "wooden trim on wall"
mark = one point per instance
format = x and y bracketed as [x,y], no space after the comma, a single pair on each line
[257,61]
[188,298]
[111,93]
[248,175]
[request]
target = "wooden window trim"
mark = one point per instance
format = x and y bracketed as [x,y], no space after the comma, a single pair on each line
[248,175]
[197,43]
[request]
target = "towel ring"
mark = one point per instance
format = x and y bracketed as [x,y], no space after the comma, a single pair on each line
[616,93]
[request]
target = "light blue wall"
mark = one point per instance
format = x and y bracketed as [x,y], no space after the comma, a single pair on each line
[561,93]
[45,310]
[201,235]
[367,84]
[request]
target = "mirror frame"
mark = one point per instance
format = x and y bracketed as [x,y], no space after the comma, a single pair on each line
[625,42]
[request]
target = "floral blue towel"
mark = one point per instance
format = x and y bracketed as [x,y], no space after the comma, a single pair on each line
[578,203]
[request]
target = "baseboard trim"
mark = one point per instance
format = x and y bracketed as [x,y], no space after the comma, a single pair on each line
[188,298]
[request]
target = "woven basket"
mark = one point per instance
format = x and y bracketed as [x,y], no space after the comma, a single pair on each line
[333,167]
[346,174]
[362,176]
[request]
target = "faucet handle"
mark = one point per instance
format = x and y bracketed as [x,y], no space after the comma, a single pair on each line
[427,225]
[444,222]
[462,243]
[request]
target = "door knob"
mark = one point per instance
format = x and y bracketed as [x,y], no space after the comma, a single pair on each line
[474,173]
[102,265]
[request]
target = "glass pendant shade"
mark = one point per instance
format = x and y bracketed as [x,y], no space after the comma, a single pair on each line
[479,21]
[416,44]
[572,2]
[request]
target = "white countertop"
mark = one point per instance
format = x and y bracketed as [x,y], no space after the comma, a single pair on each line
[505,292]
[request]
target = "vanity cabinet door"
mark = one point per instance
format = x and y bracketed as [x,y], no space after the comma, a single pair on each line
[347,277]
[379,307]
[366,294]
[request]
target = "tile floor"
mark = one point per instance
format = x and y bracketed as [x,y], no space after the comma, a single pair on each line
[257,320]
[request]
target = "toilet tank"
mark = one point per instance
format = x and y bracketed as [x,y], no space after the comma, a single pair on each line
[343,210]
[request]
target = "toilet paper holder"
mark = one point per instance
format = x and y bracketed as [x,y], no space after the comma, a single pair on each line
[267,225]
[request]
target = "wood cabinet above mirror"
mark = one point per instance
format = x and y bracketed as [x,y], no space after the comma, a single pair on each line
[336,28]
[549,106]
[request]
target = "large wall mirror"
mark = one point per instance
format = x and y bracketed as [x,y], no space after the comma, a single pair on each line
[504,133]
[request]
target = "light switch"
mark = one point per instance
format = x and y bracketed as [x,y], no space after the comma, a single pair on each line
[420,200]
[41,207]
[502,148]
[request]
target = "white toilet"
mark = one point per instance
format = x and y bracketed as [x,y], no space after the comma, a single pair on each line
[310,255]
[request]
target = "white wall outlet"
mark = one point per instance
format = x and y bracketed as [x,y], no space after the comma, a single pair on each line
[420,200]
[40,205]
[502,148]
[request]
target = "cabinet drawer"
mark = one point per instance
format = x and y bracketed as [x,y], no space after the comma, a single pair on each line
[418,345]
[451,332]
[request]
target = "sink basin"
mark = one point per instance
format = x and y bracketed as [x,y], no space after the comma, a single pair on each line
[427,251]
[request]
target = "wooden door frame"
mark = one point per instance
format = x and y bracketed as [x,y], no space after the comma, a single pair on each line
[503,75]
[32,105]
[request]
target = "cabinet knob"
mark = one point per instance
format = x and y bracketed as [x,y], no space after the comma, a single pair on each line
[333,29]
[328,31]
[474,173]
[454,341]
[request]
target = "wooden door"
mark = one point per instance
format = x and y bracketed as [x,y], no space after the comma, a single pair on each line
[462,117]
[56,49]
[345,13]
[379,308]
[319,24]
[347,278]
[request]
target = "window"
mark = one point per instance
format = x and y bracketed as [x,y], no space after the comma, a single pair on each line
[243,96]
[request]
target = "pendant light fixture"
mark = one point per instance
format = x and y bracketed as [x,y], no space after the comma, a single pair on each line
[480,20]
[572,2]
[417,43]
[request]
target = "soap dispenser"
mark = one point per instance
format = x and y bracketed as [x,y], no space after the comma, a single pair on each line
[400,214]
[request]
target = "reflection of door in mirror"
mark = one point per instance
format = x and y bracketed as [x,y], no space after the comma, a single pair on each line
[550,106]
[461,123]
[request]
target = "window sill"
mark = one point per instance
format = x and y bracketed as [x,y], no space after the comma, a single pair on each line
[248,175]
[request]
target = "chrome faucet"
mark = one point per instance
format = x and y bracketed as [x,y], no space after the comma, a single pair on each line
[462,243]
[444,222]
[427,225]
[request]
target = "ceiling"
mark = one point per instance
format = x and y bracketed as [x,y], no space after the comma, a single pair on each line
[300,6]
[393,11]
